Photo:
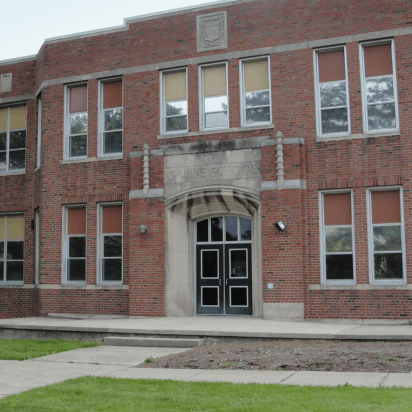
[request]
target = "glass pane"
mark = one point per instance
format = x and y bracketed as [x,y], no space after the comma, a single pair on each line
[210,296]
[381,116]
[14,271]
[17,159]
[1,250]
[238,296]
[333,94]
[379,90]
[112,246]
[339,267]
[176,108]
[202,230]
[257,98]
[245,229]
[112,142]
[113,119]
[210,263]
[78,123]
[15,250]
[217,229]
[216,120]
[78,146]
[215,104]
[1,271]
[174,124]
[388,266]
[334,121]
[231,228]
[77,247]
[18,139]
[238,264]
[261,114]
[338,239]
[2,160]
[386,238]
[3,138]
[76,269]
[112,269]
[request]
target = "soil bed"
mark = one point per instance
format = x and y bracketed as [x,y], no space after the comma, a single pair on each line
[296,355]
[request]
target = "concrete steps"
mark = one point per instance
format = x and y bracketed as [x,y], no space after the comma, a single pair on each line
[152,342]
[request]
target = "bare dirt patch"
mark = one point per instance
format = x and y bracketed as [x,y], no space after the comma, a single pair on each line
[296,355]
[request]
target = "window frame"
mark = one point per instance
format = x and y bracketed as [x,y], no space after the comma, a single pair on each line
[100,246]
[363,86]
[243,92]
[101,118]
[316,53]
[202,124]
[322,240]
[67,135]
[66,243]
[371,249]
[39,130]
[163,116]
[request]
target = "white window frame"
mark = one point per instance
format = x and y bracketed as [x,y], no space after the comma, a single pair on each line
[163,117]
[39,127]
[66,148]
[202,98]
[363,86]
[322,240]
[37,248]
[100,246]
[65,246]
[243,93]
[371,249]
[101,118]
[319,133]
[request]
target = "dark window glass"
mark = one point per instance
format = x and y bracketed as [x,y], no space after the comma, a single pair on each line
[112,246]
[112,142]
[217,229]
[238,263]
[17,159]
[202,230]
[112,269]
[1,271]
[245,229]
[15,271]
[77,247]
[15,250]
[238,296]
[210,260]
[78,146]
[388,266]
[339,267]
[210,296]
[76,269]
[1,250]
[231,228]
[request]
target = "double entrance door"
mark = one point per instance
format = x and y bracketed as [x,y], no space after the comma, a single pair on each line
[224,266]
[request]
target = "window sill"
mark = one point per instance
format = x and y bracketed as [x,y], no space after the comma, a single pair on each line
[11,284]
[80,160]
[356,136]
[117,156]
[12,173]
[362,287]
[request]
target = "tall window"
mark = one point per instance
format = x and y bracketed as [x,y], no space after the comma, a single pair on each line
[11,248]
[12,138]
[379,87]
[174,118]
[214,97]
[111,119]
[111,243]
[75,245]
[39,118]
[332,92]
[337,238]
[255,92]
[386,235]
[76,121]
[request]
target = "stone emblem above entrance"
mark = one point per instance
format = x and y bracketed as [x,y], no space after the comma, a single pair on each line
[211,32]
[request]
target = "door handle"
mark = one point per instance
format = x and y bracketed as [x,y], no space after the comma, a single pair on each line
[226,281]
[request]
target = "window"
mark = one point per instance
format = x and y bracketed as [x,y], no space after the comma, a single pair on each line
[214,98]
[337,238]
[111,118]
[74,265]
[12,138]
[76,122]
[174,90]
[379,87]
[111,243]
[256,108]
[331,92]
[11,248]
[39,113]
[386,235]
[37,248]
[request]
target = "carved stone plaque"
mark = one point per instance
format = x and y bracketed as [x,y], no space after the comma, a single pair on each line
[211,31]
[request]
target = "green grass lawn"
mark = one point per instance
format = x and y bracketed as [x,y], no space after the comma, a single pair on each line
[109,394]
[21,349]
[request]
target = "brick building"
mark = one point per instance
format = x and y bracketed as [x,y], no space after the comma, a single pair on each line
[246,157]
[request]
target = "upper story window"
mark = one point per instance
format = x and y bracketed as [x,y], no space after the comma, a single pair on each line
[174,102]
[331,92]
[76,122]
[12,138]
[111,118]
[379,87]
[214,110]
[39,120]
[256,101]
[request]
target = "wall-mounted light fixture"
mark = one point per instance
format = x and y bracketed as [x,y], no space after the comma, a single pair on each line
[142,228]
[280,226]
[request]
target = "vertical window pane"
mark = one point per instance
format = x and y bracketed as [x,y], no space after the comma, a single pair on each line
[210,296]
[331,66]
[76,270]
[245,229]
[339,267]
[112,94]
[76,221]
[386,206]
[17,117]
[78,99]
[256,75]
[381,116]
[231,228]
[214,80]
[15,227]
[112,142]
[217,229]
[238,296]
[337,209]
[210,263]
[112,269]
[175,86]
[14,271]
[238,264]
[112,219]
[388,266]
[203,231]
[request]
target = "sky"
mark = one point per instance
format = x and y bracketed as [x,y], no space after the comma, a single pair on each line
[26,25]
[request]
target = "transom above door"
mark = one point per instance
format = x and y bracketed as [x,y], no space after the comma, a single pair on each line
[224,266]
